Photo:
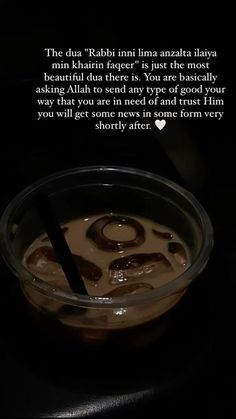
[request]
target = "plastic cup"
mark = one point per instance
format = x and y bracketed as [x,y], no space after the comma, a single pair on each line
[134,319]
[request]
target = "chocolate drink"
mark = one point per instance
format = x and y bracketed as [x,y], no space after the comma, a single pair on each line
[117,256]
[135,270]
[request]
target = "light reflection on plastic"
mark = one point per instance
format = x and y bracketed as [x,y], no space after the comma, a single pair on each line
[120,311]
[104,405]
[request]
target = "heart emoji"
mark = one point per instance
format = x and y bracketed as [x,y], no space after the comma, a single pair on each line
[160,123]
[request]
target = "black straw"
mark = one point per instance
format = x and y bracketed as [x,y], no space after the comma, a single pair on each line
[59,244]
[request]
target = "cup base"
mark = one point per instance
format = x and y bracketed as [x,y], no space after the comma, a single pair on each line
[72,339]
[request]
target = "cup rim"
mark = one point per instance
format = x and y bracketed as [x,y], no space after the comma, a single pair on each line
[110,302]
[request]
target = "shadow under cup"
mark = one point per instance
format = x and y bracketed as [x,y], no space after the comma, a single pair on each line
[135,319]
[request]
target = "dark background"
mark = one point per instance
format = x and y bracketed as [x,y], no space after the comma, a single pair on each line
[198,154]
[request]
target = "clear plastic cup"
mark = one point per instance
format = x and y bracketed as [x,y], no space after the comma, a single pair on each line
[135,319]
